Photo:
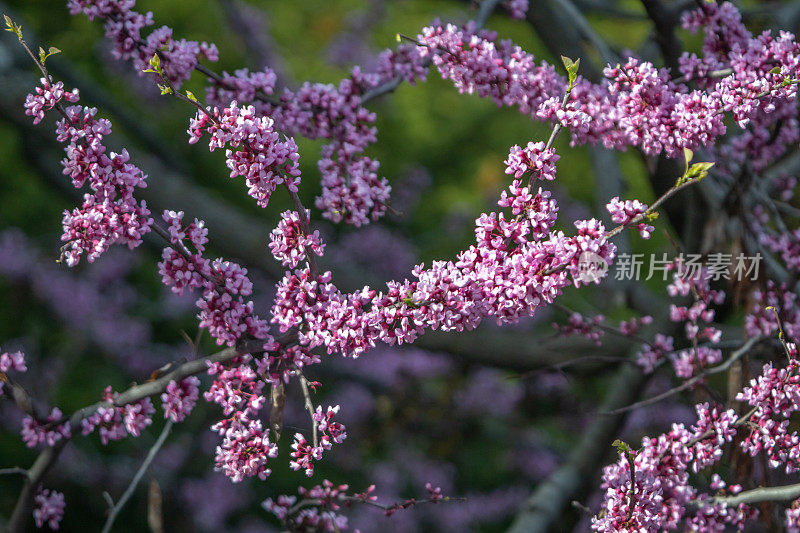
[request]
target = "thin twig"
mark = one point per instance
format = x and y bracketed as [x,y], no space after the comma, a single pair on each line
[689,383]
[13,470]
[136,478]
[308,404]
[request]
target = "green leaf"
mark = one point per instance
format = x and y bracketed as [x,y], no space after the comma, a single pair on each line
[700,170]
[621,446]
[687,156]
[165,89]
[572,69]
[191,96]
[776,70]
[155,62]
[13,27]
[44,55]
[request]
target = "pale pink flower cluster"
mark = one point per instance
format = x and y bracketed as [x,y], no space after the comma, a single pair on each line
[623,212]
[653,353]
[11,362]
[116,423]
[123,27]
[110,214]
[534,158]
[586,327]
[330,433]
[687,362]
[631,327]
[284,363]
[48,508]
[761,318]
[46,97]
[786,244]
[224,284]
[515,266]
[318,508]
[404,61]
[264,160]
[289,244]
[180,398]
[638,104]
[321,517]
[242,86]
[792,521]
[245,447]
[35,432]
[352,191]
[663,493]
[775,395]
[517,9]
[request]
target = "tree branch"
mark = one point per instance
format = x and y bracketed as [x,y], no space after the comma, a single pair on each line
[136,478]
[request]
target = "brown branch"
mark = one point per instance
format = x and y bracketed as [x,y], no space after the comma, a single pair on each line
[689,383]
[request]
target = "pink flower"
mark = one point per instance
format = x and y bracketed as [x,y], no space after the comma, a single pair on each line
[180,398]
[48,508]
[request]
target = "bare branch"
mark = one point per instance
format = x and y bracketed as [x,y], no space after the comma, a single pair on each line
[136,478]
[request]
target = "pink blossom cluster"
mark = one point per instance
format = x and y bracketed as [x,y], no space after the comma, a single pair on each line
[637,105]
[321,517]
[264,160]
[404,62]
[787,244]
[123,27]
[653,353]
[246,446]
[45,98]
[506,275]
[792,521]
[224,284]
[663,495]
[517,9]
[53,429]
[766,302]
[111,214]
[315,110]
[534,158]
[631,327]
[282,364]
[623,212]
[11,362]
[116,423]
[289,244]
[180,398]
[242,86]
[352,191]
[318,508]
[688,279]
[723,32]
[48,508]
[695,281]
[584,326]
[330,433]
[775,395]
